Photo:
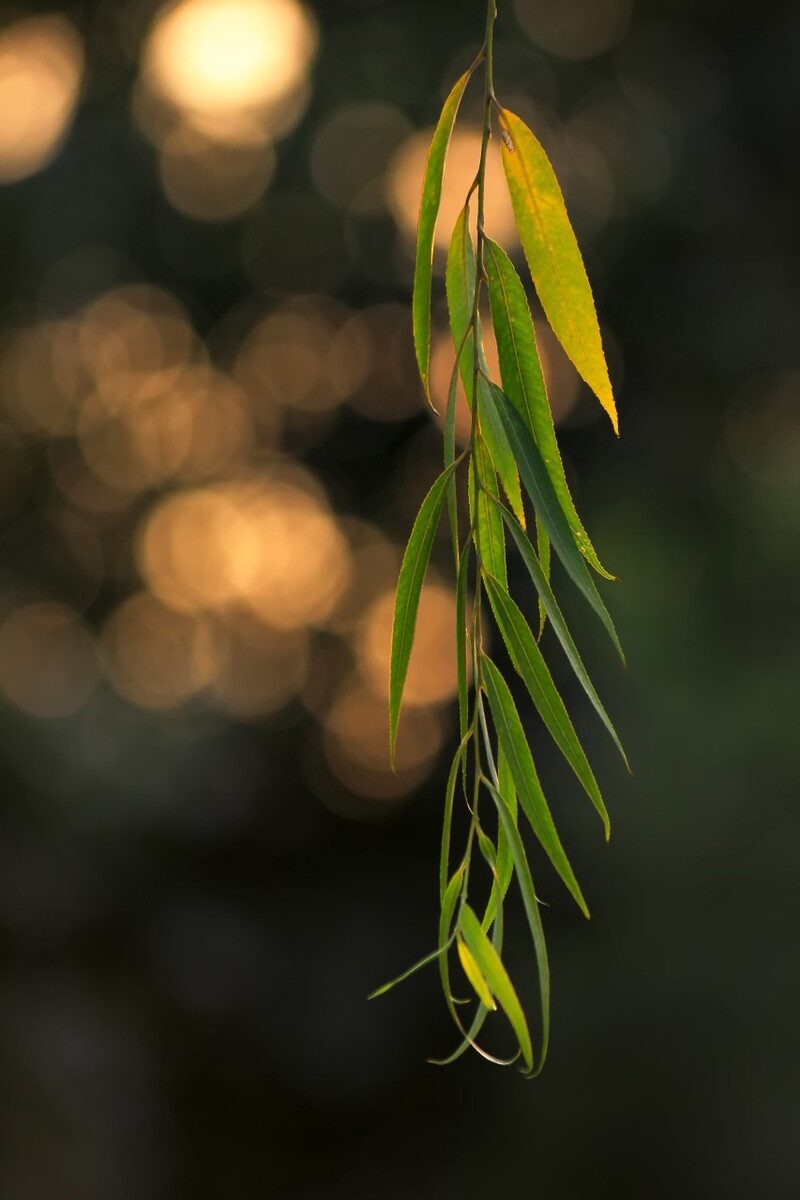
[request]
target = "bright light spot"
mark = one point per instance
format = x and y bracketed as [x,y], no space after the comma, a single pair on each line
[41,66]
[210,180]
[356,745]
[307,357]
[48,664]
[225,64]
[158,658]
[263,669]
[39,392]
[432,676]
[404,182]
[268,546]
[141,430]
[575,29]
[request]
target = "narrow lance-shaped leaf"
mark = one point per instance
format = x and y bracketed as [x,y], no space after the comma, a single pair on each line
[494,973]
[528,660]
[489,534]
[460,280]
[523,382]
[409,586]
[461,639]
[531,797]
[559,624]
[496,439]
[543,546]
[508,823]
[540,489]
[428,212]
[554,258]
[474,975]
[469,1035]
[505,859]
[460,286]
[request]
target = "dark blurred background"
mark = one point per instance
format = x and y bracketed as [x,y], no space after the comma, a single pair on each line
[212,447]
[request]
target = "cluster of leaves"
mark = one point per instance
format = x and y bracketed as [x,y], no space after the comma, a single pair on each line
[512,452]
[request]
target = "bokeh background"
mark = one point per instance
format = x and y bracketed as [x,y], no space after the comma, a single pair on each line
[212,446]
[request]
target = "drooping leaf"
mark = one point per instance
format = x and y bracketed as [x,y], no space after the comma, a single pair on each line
[428,212]
[505,860]
[531,797]
[559,624]
[494,973]
[529,662]
[473,974]
[461,638]
[461,280]
[540,489]
[494,435]
[507,819]
[409,586]
[523,382]
[447,820]
[554,258]
[418,966]
[449,461]
[460,287]
[489,534]
[543,546]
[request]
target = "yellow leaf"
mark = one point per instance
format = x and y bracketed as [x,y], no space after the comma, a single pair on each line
[473,974]
[553,256]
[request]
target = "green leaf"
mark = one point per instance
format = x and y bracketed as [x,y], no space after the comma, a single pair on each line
[505,786]
[449,460]
[527,658]
[447,821]
[559,624]
[553,256]
[524,385]
[461,639]
[409,586]
[505,860]
[498,983]
[531,797]
[508,823]
[489,534]
[461,282]
[496,439]
[428,212]
[543,546]
[423,962]
[540,489]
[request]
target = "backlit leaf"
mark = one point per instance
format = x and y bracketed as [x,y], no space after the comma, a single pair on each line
[523,382]
[428,212]
[461,279]
[529,899]
[528,660]
[562,632]
[494,973]
[489,533]
[409,586]
[531,797]
[553,256]
[474,975]
[540,489]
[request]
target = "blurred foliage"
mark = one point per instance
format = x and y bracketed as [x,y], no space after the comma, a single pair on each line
[212,444]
